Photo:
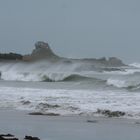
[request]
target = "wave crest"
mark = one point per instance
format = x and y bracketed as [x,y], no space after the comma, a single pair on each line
[71,77]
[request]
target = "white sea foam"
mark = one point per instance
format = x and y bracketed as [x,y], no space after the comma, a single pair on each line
[43,70]
[124,82]
[137,65]
[117,83]
[69,101]
[127,71]
[37,71]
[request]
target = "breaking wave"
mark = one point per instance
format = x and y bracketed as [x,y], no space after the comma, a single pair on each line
[129,81]
[71,77]
[49,77]
[137,65]
[47,71]
[128,78]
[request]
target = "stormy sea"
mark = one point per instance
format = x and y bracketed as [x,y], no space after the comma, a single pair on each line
[46,83]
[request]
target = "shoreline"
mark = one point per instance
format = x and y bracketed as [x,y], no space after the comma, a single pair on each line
[19,123]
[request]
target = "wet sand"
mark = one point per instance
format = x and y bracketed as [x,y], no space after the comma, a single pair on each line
[68,128]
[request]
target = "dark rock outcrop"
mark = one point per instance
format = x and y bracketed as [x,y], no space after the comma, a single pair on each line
[45,114]
[36,113]
[31,138]
[92,121]
[12,137]
[7,137]
[43,51]
[11,56]
[109,113]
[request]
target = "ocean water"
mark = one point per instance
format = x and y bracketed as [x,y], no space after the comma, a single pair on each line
[70,89]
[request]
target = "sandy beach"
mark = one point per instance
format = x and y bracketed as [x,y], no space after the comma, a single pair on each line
[68,128]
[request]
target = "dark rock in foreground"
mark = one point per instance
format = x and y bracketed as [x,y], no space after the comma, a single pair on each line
[36,113]
[92,121]
[7,137]
[12,137]
[31,138]
[109,113]
[45,114]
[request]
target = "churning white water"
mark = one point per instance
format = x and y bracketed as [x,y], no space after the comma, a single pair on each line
[67,89]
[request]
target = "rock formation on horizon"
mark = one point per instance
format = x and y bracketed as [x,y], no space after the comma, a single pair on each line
[42,51]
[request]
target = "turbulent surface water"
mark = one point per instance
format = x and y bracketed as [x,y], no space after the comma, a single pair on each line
[69,88]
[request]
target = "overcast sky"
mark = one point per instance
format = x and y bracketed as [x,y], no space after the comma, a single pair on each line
[73,28]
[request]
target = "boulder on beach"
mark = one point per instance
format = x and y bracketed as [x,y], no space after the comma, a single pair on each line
[31,138]
[110,113]
[7,137]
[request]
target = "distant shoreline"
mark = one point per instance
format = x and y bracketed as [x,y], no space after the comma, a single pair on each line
[43,51]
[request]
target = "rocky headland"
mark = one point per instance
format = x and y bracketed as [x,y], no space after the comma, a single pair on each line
[43,51]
